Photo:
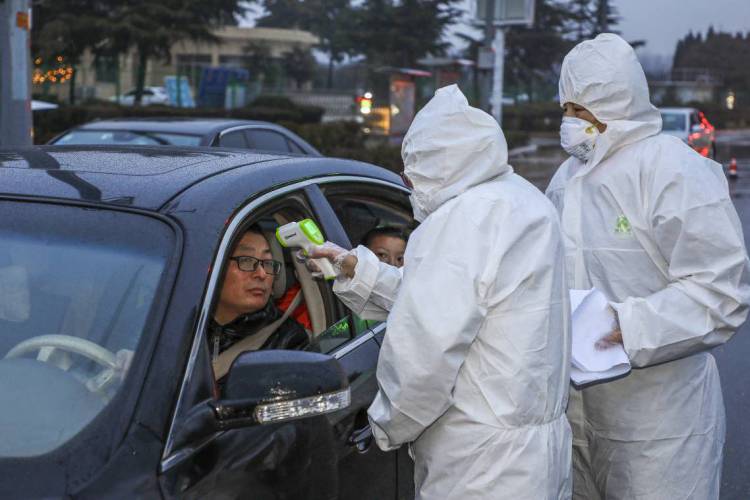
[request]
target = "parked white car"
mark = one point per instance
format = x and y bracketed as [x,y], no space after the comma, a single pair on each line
[151,95]
[691,126]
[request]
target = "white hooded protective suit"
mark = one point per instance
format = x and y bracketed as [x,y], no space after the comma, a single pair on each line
[650,223]
[474,368]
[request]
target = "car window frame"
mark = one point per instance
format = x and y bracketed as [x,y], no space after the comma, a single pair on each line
[304,150]
[351,190]
[181,405]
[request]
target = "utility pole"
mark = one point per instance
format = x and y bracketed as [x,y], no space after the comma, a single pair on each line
[494,40]
[15,76]
[488,15]
[498,73]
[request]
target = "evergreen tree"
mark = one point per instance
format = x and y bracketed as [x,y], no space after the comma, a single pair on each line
[533,54]
[151,28]
[329,20]
[399,33]
[594,17]
[66,28]
[695,55]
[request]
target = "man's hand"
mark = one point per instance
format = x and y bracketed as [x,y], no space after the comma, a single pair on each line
[343,261]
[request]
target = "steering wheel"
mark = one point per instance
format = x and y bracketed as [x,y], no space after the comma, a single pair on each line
[46,345]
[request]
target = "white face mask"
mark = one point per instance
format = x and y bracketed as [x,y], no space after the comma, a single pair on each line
[578,137]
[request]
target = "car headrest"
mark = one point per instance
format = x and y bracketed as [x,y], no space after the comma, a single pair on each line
[280,281]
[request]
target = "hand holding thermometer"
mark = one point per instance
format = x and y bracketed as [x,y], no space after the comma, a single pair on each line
[305,235]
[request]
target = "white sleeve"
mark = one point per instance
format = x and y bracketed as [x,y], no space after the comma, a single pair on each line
[439,311]
[697,231]
[371,292]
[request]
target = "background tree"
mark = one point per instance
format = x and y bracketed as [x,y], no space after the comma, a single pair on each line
[471,52]
[605,17]
[151,28]
[392,33]
[66,28]
[329,20]
[594,17]
[289,14]
[696,56]
[299,65]
[533,54]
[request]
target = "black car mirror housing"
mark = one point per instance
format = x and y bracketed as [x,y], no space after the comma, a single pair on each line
[276,386]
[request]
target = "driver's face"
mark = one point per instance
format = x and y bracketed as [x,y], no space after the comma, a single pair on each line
[245,291]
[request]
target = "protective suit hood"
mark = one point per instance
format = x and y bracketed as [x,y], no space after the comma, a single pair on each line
[604,76]
[449,148]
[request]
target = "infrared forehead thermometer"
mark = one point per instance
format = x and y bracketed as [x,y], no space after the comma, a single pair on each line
[305,235]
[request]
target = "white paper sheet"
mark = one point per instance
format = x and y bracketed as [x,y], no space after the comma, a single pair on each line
[593,318]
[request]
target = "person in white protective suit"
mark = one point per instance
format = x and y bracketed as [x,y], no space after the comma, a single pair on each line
[650,223]
[474,368]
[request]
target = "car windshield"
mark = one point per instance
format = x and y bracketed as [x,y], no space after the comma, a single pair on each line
[76,289]
[673,121]
[126,137]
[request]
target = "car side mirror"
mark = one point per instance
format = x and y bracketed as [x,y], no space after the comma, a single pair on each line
[696,128]
[276,386]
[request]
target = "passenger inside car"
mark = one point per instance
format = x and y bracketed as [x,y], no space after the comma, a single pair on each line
[388,243]
[246,317]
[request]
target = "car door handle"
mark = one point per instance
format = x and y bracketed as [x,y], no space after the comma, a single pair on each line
[361,439]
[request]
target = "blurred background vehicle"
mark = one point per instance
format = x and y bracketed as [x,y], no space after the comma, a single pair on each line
[228,133]
[690,125]
[151,95]
[42,105]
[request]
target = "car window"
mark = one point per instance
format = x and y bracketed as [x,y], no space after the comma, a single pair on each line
[233,140]
[317,312]
[123,137]
[76,289]
[673,121]
[294,148]
[694,120]
[267,140]
[366,209]
[177,139]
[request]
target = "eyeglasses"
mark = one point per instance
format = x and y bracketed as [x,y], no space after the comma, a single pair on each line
[406,180]
[249,264]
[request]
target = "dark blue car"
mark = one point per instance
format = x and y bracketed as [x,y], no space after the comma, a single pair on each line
[111,259]
[216,132]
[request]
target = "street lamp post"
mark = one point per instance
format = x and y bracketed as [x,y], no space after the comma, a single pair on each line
[15,84]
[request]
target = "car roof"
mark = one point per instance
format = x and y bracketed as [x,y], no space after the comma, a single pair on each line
[195,126]
[147,177]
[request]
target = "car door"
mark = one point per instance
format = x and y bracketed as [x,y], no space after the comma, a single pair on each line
[306,458]
[360,206]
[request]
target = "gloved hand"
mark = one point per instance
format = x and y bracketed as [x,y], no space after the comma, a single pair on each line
[342,259]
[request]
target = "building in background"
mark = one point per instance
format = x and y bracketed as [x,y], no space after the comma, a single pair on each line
[255,50]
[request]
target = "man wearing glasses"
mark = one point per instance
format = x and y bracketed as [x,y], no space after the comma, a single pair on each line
[245,306]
